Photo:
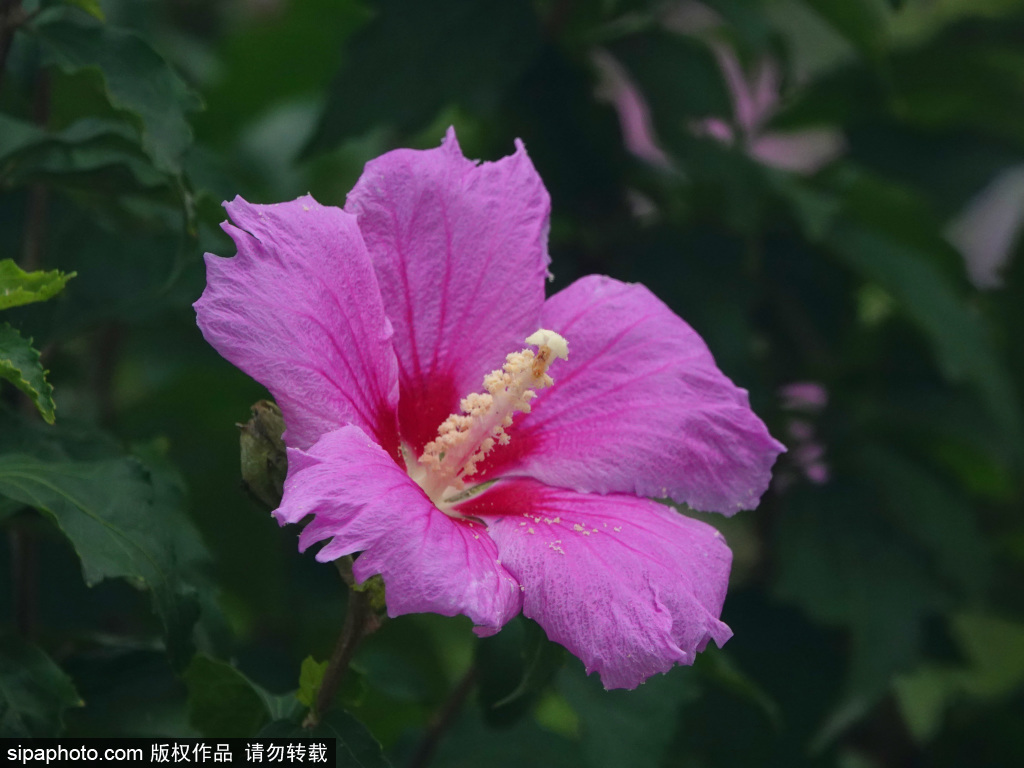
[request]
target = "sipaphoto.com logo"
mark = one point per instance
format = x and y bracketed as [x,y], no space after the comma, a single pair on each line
[59,754]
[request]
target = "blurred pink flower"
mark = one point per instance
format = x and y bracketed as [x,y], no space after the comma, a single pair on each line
[806,396]
[374,327]
[989,227]
[755,100]
[634,116]
[808,453]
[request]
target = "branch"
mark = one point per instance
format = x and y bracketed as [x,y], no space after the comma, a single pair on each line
[443,719]
[12,16]
[360,620]
[24,570]
[23,573]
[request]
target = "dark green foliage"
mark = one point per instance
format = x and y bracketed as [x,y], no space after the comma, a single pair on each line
[34,692]
[633,727]
[224,702]
[21,366]
[878,616]
[413,59]
[516,666]
[356,746]
[20,362]
[134,78]
[124,520]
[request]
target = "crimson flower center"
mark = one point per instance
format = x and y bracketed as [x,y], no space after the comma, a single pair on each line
[464,439]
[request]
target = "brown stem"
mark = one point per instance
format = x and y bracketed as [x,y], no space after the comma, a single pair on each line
[35,224]
[107,345]
[360,621]
[557,19]
[23,571]
[443,719]
[12,16]
[34,242]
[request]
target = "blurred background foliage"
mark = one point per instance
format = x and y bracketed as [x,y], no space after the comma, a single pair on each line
[831,193]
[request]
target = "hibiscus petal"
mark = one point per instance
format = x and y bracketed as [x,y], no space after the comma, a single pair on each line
[460,251]
[299,310]
[363,501]
[626,584]
[639,407]
[798,151]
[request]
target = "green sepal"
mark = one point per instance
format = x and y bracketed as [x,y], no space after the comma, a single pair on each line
[264,461]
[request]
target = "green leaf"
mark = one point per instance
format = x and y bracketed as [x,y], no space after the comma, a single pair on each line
[968,77]
[125,520]
[356,745]
[19,287]
[20,365]
[934,514]
[516,665]
[135,78]
[995,647]
[222,702]
[720,669]
[884,234]
[862,22]
[34,692]
[994,651]
[92,7]
[418,54]
[310,677]
[70,440]
[8,508]
[471,743]
[923,696]
[631,728]
[851,568]
[958,335]
[89,145]
[273,59]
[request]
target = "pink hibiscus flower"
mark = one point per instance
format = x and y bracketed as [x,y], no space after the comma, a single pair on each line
[425,432]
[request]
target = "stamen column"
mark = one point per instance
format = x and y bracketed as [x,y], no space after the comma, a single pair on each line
[465,439]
